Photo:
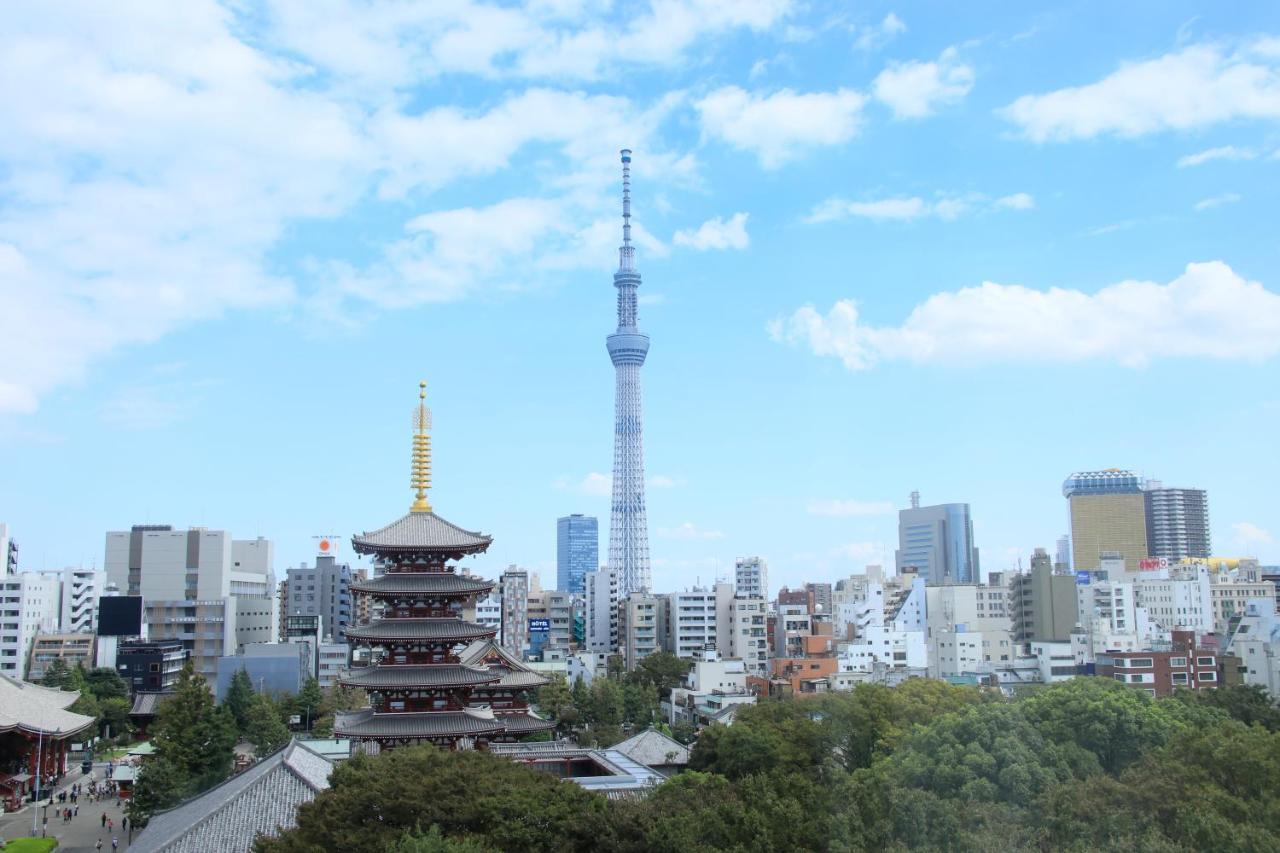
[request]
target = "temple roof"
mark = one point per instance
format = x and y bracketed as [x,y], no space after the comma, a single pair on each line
[421,531]
[443,583]
[385,676]
[654,749]
[525,722]
[37,709]
[517,674]
[146,704]
[263,799]
[419,629]
[366,724]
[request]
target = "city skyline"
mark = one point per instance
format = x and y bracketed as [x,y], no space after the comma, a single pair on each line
[883,252]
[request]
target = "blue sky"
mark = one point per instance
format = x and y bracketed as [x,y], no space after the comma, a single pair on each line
[883,249]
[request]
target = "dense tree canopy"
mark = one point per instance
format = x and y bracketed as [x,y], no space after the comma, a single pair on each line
[1080,766]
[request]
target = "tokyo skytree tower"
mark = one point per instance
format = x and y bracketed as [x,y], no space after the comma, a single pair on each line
[628,528]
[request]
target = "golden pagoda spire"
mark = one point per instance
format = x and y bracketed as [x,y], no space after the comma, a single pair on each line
[421,479]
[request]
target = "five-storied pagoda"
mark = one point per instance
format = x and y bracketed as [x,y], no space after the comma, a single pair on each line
[435,678]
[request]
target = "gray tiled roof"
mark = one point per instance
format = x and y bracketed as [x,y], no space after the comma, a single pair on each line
[426,582]
[420,629]
[421,531]
[35,708]
[226,819]
[525,722]
[654,749]
[516,674]
[145,704]
[367,724]
[427,675]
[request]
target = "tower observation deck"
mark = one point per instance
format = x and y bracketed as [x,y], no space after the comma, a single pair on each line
[628,347]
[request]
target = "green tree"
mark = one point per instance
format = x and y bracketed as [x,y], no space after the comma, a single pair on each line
[58,675]
[556,701]
[663,670]
[106,683]
[433,841]
[769,737]
[161,785]
[582,700]
[640,704]
[264,727]
[114,715]
[1247,703]
[606,702]
[309,700]
[198,737]
[337,698]
[373,801]
[239,698]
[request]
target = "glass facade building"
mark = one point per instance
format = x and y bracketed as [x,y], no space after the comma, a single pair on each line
[937,541]
[577,551]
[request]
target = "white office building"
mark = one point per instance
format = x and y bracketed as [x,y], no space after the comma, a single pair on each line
[698,619]
[30,605]
[214,593]
[602,611]
[749,634]
[751,578]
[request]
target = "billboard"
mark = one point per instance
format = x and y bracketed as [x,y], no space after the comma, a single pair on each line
[1083,577]
[543,625]
[120,616]
[1151,564]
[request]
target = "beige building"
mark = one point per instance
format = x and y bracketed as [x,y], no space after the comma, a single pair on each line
[641,626]
[70,648]
[1043,604]
[1108,523]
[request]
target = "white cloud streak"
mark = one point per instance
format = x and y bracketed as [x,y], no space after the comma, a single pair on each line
[1224,152]
[1197,86]
[1217,201]
[849,508]
[1209,311]
[777,127]
[907,208]
[915,89]
[716,234]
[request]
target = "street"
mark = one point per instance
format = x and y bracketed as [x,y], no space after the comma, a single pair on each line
[81,834]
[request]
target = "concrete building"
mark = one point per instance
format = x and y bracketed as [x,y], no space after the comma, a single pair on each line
[751,577]
[641,626]
[322,590]
[1179,601]
[71,649]
[1177,522]
[1229,597]
[821,595]
[488,611]
[1159,673]
[748,632]
[514,585]
[200,586]
[1108,513]
[8,551]
[1043,604]
[602,611]
[30,604]
[334,658]
[938,542]
[78,592]
[698,619]
[274,668]
[150,667]
[577,551]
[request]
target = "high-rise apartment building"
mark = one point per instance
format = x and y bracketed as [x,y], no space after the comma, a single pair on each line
[1177,522]
[322,590]
[200,586]
[1043,605]
[8,551]
[937,541]
[697,619]
[748,631]
[1108,513]
[628,347]
[751,577]
[602,611]
[514,585]
[29,605]
[577,551]
[641,626]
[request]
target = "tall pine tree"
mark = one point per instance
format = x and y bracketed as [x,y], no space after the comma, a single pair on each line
[239,699]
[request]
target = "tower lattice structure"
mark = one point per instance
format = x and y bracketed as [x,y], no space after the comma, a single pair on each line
[629,527]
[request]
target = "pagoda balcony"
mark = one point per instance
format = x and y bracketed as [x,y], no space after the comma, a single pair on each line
[422,583]
[430,630]
[394,677]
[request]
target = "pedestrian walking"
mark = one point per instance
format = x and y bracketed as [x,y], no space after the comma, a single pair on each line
[124,824]
[104,819]
[115,843]
[98,846]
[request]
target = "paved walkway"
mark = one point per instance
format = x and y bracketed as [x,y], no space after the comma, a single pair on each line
[83,832]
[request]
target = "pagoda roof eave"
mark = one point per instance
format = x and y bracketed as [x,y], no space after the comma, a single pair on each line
[421,533]
[368,725]
[432,629]
[391,677]
[424,583]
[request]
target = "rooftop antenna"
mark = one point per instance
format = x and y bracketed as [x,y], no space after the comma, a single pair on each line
[626,252]
[915,500]
[421,478]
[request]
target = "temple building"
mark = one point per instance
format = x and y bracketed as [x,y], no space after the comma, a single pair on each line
[36,730]
[421,689]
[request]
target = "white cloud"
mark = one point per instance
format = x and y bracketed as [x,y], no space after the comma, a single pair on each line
[1193,87]
[689,531]
[594,484]
[716,234]
[662,481]
[777,127]
[875,36]
[860,551]
[1017,201]
[915,89]
[1209,311]
[1224,152]
[849,507]
[1248,532]
[907,208]
[1217,201]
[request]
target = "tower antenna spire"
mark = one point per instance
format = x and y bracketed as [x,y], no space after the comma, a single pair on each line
[421,474]
[626,252]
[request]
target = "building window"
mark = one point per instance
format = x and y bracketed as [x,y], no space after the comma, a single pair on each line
[1177,661]
[1204,662]
[1207,676]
